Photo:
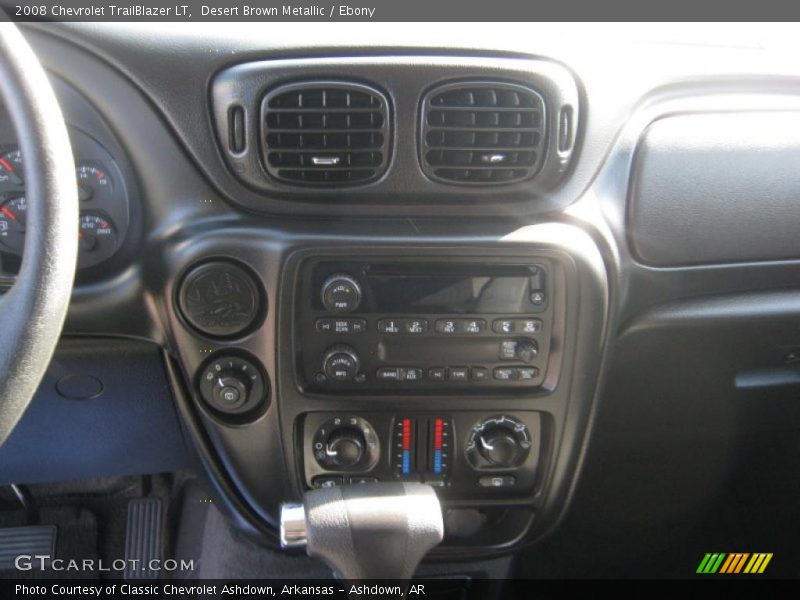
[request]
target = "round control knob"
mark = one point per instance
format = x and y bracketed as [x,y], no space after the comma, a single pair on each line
[527,351]
[233,385]
[345,447]
[340,363]
[500,442]
[345,443]
[341,293]
[498,447]
[231,390]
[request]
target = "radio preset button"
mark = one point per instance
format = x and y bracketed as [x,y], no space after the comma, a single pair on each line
[516,325]
[504,326]
[446,326]
[390,326]
[460,326]
[415,326]
[528,325]
[472,326]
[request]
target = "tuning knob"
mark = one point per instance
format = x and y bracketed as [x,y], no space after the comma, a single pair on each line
[340,363]
[345,447]
[341,293]
[500,442]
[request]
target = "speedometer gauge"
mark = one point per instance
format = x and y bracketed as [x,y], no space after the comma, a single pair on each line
[13,215]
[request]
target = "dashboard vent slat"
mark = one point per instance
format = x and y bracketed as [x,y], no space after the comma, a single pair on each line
[325,133]
[482,133]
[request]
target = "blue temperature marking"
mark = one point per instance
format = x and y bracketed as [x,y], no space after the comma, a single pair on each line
[406,462]
[437,461]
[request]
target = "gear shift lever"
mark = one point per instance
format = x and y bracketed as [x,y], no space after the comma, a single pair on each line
[366,531]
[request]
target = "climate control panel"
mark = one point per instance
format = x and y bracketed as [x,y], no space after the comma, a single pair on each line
[465,454]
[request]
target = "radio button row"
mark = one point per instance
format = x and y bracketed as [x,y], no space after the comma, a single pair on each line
[460,326]
[329,325]
[517,325]
[399,374]
[516,373]
[407,326]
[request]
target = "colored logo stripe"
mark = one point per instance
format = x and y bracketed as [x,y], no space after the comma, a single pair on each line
[733,563]
[711,562]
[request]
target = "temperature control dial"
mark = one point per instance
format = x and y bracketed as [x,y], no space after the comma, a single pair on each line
[346,444]
[500,442]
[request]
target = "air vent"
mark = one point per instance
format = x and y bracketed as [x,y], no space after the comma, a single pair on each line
[482,133]
[325,133]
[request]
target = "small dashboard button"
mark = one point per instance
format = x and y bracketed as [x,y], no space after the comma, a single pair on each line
[437,374]
[391,326]
[457,373]
[497,481]
[479,374]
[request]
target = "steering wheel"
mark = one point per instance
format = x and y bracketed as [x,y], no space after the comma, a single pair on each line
[32,312]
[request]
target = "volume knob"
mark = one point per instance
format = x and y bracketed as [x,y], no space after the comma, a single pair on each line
[341,293]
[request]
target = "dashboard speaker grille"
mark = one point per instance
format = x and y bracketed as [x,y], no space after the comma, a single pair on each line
[482,133]
[325,133]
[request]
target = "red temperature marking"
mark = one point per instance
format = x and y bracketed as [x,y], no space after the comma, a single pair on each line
[406,434]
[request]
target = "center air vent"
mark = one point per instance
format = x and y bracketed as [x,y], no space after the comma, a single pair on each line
[482,133]
[325,133]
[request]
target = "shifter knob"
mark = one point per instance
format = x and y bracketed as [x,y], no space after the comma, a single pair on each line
[369,531]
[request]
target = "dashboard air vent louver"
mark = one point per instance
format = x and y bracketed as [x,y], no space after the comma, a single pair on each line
[482,133]
[325,133]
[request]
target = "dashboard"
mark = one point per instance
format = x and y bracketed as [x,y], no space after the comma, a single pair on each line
[385,262]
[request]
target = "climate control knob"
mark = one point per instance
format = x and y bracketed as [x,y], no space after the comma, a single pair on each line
[340,363]
[345,447]
[500,442]
[346,443]
[341,293]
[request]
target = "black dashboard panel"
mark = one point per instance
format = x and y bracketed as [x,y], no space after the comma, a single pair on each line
[153,94]
[698,178]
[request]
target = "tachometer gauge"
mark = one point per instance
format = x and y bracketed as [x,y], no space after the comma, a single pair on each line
[97,239]
[11,173]
[93,182]
[13,214]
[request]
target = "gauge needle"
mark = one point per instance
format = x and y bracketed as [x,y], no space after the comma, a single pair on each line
[7,166]
[7,212]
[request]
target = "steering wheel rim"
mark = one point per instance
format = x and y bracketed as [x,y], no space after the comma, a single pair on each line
[32,312]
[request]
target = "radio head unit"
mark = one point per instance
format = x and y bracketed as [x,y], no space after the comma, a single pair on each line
[418,326]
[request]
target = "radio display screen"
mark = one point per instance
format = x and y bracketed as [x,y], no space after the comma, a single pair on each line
[450,292]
